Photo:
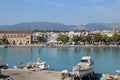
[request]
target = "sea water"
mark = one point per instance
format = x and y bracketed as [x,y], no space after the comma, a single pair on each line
[106,59]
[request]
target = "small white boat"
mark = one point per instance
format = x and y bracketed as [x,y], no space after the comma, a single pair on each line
[85,66]
[41,65]
[118,71]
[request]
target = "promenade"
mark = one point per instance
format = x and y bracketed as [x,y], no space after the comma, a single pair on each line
[59,45]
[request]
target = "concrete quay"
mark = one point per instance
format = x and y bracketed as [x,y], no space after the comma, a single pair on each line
[21,74]
[25,74]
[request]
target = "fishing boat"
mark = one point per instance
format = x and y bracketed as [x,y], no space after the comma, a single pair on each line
[85,66]
[40,65]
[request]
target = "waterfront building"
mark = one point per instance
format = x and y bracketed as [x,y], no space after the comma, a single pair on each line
[17,37]
[52,37]
[36,34]
[49,36]
[107,33]
[97,31]
[70,34]
[77,33]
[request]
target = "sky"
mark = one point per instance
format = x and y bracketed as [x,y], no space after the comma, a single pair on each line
[77,12]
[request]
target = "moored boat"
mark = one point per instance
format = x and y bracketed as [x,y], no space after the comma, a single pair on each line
[85,66]
[41,65]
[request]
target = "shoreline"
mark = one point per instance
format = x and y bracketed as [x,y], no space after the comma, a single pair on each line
[58,46]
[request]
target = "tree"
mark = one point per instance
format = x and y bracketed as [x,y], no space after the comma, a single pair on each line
[116,37]
[106,39]
[83,40]
[4,40]
[97,37]
[76,39]
[88,38]
[40,39]
[63,38]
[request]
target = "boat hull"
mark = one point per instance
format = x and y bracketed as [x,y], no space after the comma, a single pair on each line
[81,72]
[37,65]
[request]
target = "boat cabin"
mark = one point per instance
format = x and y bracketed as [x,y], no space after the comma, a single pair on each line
[86,59]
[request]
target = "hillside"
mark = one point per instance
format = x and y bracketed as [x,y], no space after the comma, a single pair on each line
[44,26]
[38,26]
[102,26]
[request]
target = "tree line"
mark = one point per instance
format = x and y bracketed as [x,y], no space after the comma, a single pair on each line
[90,39]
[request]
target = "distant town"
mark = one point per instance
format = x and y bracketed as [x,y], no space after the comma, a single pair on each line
[23,38]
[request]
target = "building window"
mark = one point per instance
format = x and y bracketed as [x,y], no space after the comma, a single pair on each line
[8,35]
[11,36]
[18,36]
[14,43]
[20,43]
[14,35]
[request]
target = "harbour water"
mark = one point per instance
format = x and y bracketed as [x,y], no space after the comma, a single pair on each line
[106,60]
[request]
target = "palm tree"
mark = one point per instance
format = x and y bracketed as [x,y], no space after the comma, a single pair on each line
[4,40]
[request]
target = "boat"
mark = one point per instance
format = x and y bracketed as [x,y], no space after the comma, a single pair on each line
[84,67]
[118,71]
[40,65]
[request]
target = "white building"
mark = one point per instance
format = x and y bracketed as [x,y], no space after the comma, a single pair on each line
[107,33]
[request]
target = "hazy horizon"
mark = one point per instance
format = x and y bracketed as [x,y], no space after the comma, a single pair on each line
[58,23]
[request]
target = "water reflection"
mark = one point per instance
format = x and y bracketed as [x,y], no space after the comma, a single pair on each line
[76,50]
[64,49]
[15,56]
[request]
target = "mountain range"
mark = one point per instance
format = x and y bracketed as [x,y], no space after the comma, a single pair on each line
[44,26]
